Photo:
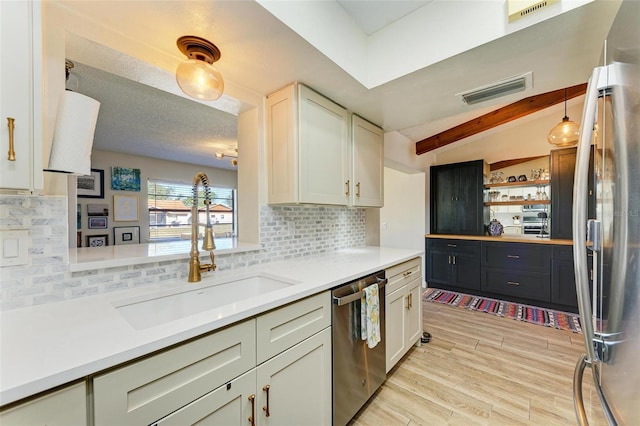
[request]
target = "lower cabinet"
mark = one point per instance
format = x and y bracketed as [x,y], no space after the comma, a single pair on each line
[63,407]
[289,389]
[453,263]
[403,322]
[220,378]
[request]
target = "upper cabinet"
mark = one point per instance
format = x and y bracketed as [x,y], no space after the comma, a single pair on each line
[368,164]
[314,158]
[21,95]
[457,205]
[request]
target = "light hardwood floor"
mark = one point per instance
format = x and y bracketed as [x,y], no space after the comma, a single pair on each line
[484,370]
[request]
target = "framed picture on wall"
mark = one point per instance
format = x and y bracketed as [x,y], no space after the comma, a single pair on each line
[97,210]
[91,186]
[126,235]
[97,222]
[97,240]
[125,179]
[125,208]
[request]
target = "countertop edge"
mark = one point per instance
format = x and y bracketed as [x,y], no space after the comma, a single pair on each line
[527,239]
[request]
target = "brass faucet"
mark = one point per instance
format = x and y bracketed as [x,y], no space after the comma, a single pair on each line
[208,243]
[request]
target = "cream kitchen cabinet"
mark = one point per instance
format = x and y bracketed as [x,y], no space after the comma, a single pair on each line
[21,95]
[62,407]
[368,164]
[308,148]
[319,153]
[403,311]
[275,360]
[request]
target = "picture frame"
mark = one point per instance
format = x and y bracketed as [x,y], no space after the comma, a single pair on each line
[126,235]
[125,208]
[98,222]
[97,209]
[97,240]
[125,179]
[91,186]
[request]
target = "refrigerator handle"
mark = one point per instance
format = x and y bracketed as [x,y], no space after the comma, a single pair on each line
[580,212]
[578,401]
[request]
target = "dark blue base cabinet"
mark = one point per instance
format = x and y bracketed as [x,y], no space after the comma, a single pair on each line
[535,274]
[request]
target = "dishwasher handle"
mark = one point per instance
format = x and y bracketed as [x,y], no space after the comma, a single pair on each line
[340,301]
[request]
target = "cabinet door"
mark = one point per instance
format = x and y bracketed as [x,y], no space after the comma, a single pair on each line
[469,201]
[396,305]
[21,94]
[563,283]
[443,200]
[282,148]
[299,381]
[64,407]
[438,266]
[413,316]
[323,149]
[368,164]
[466,270]
[563,164]
[230,404]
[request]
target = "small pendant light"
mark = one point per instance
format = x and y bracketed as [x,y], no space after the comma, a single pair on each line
[566,132]
[197,77]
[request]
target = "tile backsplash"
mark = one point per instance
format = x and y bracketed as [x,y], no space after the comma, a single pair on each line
[286,232]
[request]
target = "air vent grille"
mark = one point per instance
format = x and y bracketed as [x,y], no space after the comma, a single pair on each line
[520,8]
[496,90]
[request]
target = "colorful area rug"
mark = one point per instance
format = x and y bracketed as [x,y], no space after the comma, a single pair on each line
[501,308]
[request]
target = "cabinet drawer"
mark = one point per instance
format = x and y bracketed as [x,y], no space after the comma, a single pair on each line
[529,257]
[284,327]
[147,390]
[527,285]
[458,246]
[403,273]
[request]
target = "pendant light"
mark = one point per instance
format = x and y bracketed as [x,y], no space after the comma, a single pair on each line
[197,77]
[566,132]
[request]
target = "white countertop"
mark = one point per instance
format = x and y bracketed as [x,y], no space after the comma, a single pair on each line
[48,345]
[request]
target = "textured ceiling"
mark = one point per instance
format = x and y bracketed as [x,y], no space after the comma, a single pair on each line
[260,54]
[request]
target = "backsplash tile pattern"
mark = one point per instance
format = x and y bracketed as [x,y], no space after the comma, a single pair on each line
[286,232]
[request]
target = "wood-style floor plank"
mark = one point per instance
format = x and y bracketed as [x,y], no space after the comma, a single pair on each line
[480,369]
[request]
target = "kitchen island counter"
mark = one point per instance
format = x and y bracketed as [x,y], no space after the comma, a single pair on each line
[48,345]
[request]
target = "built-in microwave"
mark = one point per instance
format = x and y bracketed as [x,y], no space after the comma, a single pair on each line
[535,208]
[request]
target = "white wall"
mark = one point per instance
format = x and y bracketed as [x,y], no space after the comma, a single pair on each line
[402,219]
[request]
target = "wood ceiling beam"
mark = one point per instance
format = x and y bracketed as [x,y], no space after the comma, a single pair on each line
[507,163]
[498,117]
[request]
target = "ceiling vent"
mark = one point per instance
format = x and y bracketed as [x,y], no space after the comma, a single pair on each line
[495,90]
[520,8]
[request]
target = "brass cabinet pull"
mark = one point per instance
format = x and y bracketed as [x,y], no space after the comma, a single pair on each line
[266,407]
[410,300]
[252,418]
[513,256]
[347,183]
[513,283]
[358,189]
[10,125]
[406,274]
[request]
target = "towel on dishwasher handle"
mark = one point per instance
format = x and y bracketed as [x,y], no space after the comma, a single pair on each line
[370,315]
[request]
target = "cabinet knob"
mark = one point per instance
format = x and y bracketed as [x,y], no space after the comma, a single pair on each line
[10,125]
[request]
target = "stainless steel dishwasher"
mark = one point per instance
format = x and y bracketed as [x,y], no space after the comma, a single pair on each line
[357,370]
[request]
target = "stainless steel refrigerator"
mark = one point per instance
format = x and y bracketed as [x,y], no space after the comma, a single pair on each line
[608,284]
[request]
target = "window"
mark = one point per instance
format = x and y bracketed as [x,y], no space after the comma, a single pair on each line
[170,210]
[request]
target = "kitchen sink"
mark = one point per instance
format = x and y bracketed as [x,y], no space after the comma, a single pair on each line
[163,308]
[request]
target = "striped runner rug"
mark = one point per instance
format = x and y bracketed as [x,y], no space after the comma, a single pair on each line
[501,308]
